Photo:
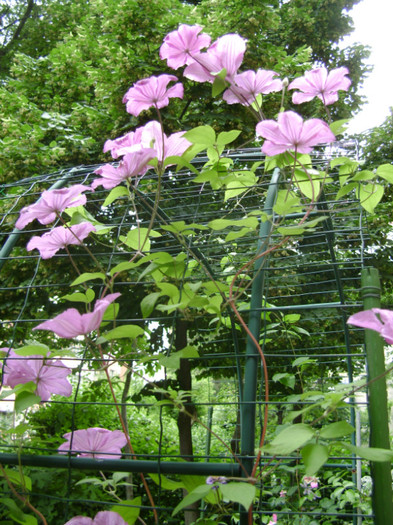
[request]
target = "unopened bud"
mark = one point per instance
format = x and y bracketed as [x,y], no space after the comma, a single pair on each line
[285,82]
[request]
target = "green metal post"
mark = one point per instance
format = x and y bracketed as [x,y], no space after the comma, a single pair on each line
[378,404]
[252,362]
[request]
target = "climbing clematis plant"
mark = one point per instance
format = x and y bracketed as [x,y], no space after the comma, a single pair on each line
[149,149]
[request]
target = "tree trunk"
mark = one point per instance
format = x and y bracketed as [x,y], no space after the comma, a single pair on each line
[184,421]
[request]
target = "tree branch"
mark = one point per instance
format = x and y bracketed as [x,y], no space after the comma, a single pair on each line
[22,22]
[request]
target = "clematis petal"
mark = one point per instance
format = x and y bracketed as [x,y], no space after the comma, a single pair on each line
[377,319]
[290,133]
[320,83]
[51,203]
[179,46]
[71,323]
[94,442]
[53,241]
[151,92]
[50,375]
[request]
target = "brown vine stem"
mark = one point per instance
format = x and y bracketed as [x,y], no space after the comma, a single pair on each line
[21,498]
[146,486]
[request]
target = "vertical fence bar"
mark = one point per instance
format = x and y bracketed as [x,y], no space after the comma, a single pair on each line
[252,362]
[378,404]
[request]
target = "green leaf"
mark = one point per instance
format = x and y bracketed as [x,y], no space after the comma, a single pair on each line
[195,495]
[369,196]
[182,227]
[364,175]
[36,349]
[286,203]
[236,187]
[243,493]
[148,303]
[339,126]
[336,430]
[231,236]
[302,361]
[15,477]
[131,331]
[285,379]
[138,238]
[370,453]
[347,188]
[80,297]
[219,85]
[386,172]
[314,456]
[129,514]
[116,193]
[25,400]
[290,439]
[88,277]
[309,188]
[204,135]
[165,483]
[173,360]
[226,137]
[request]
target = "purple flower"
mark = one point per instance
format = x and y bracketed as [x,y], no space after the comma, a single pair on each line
[71,323]
[246,86]
[151,92]
[51,203]
[50,375]
[320,83]
[226,52]
[58,238]
[179,46]
[212,480]
[290,133]
[375,319]
[132,164]
[94,443]
[105,517]
[309,484]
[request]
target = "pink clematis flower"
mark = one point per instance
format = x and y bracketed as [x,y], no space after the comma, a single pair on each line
[105,517]
[181,45]
[376,319]
[50,375]
[246,86]
[128,143]
[226,52]
[273,521]
[150,136]
[320,83]
[51,203]
[133,164]
[53,241]
[290,133]
[154,137]
[94,443]
[151,92]
[71,323]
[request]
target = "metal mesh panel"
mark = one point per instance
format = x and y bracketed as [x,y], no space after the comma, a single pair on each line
[311,284]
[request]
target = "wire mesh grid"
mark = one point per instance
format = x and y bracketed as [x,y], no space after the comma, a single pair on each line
[311,284]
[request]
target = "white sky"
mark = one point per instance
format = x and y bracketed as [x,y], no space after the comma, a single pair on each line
[373,21]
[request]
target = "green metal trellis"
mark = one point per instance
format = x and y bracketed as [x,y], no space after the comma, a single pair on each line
[316,276]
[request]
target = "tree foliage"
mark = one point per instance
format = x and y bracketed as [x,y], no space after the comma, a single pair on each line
[65,66]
